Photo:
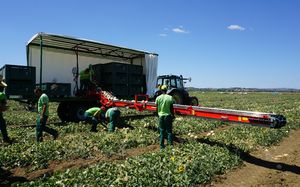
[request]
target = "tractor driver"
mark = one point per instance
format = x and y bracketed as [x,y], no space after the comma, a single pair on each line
[166,116]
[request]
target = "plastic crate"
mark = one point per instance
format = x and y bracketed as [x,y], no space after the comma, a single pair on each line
[98,76]
[115,67]
[54,90]
[119,90]
[136,69]
[115,78]
[16,72]
[137,79]
[20,88]
[136,89]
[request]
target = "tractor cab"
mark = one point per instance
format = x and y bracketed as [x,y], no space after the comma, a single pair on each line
[176,89]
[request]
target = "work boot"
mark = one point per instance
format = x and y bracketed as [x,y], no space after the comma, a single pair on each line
[55,136]
[8,140]
[93,130]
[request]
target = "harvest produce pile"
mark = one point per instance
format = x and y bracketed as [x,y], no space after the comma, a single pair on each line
[131,156]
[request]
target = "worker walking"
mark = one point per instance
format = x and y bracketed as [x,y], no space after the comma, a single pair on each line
[166,116]
[3,107]
[43,110]
[112,115]
[94,116]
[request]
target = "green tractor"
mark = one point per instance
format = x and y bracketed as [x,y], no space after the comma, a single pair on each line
[176,89]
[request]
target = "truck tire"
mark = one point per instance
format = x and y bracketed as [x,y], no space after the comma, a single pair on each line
[194,101]
[177,96]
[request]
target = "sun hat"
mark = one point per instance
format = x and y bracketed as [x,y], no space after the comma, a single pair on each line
[2,83]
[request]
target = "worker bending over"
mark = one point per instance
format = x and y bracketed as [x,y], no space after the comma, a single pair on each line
[166,116]
[3,107]
[43,110]
[112,115]
[94,116]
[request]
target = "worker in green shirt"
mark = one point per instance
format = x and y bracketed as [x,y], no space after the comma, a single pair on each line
[166,116]
[86,78]
[112,115]
[94,116]
[3,107]
[43,110]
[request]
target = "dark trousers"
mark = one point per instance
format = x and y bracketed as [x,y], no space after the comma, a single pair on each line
[165,129]
[91,120]
[41,127]
[3,128]
[84,84]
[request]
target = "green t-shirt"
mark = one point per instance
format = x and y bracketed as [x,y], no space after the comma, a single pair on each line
[93,110]
[163,103]
[84,75]
[110,110]
[43,100]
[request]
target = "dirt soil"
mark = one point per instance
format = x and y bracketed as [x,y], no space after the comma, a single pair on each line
[275,166]
[55,166]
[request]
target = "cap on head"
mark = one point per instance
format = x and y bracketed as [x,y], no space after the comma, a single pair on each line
[2,96]
[164,87]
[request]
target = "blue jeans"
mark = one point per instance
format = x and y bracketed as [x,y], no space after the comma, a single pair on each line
[91,120]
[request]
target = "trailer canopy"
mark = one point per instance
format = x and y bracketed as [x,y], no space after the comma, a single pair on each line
[55,55]
[84,45]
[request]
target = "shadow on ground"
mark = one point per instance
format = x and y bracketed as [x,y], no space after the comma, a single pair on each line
[6,178]
[245,156]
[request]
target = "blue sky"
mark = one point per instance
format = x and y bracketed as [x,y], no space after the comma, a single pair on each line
[229,43]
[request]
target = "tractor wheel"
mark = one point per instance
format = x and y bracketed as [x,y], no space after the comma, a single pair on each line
[78,111]
[177,97]
[62,111]
[194,101]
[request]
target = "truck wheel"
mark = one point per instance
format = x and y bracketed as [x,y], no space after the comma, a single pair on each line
[194,101]
[177,97]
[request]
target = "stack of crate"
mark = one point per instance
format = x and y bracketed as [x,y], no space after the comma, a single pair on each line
[137,81]
[123,80]
[20,80]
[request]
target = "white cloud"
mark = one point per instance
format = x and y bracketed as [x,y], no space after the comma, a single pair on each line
[163,35]
[236,27]
[180,30]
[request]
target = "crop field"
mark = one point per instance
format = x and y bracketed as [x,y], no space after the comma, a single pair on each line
[131,156]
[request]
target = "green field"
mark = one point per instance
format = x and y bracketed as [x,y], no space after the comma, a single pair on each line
[202,150]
